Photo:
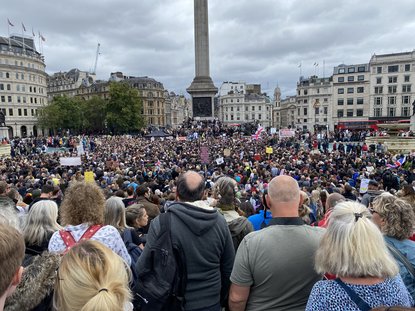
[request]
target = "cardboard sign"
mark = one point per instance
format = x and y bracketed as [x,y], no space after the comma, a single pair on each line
[286,133]
[220,161]
[269,150]
[227,152]
[89,176]
[70,161]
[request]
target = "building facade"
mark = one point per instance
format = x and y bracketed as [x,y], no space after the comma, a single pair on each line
[237,106]
[391,90]
[351,94]
[314,104]
[177,109]
[23,88]
[68,83]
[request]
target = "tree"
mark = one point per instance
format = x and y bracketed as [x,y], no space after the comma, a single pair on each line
[63,113]
[124,109]
[94,115]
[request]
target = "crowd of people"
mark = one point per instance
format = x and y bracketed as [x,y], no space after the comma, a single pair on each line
[309,222]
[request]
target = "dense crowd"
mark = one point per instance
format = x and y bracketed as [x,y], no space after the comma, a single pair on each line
[254,221]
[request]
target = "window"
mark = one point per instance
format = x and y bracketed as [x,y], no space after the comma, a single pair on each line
[361,69]
[3,99]
[17,76]
[326,100]
[406,88]
[10,111]
[406,99]
[259,117]
[394,68]
[253,116]
[259,108]
[305,120]
[350,112]
[378,89]
[231,108]
[18,99]
[350,70]
[407,67]
[391,100]
[19,112]
[340,113]
[231,117]
[9,87]
[340,91]
[391,112]
[305,111]
[305,92]
[405,112]
[253,108]
[9,99]
[18,88]
[350,101]
[246,117]
[7,75]
[377,112]
[406,78]
[379,70]
[350,90]
[359,101]
[359,113]
[340,101]
[378,101]
[1,87]
[378,80]
[340,79]
[360,89]
[350,78]
[246,109]
[325,110]
[25,112]
[393,79]
[360,77]
[342,70]
[317,111]
[392,89]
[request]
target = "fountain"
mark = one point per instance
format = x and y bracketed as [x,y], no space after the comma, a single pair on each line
[392,142]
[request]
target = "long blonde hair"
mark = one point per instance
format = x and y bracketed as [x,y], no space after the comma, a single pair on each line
[91,277]
[41,222]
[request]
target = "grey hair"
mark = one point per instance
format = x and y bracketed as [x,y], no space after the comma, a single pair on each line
[114,214]
[344,249]
[41,222]
[9,216]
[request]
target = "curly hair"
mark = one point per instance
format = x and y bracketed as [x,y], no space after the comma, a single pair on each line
[398,216]
[83,203]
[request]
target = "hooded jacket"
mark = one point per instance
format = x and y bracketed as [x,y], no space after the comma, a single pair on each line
[206,242]
[35,290]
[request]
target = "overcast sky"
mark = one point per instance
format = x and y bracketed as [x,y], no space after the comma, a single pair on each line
[256,41]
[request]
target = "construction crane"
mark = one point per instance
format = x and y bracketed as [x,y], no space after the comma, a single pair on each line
[96,59]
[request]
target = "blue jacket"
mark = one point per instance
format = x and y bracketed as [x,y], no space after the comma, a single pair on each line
[258,219]
[407,248]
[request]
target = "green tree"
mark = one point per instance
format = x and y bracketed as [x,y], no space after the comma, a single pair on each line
[124,109]
[63,113]
[94,114]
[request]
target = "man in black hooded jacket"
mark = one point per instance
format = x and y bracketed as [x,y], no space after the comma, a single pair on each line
[206,243]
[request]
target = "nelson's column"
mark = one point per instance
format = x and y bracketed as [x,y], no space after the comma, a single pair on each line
[202,88]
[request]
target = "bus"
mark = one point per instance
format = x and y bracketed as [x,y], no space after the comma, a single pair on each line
[358,125]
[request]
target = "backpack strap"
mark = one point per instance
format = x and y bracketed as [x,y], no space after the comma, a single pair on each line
[399,256]
[361,304]
[69,240]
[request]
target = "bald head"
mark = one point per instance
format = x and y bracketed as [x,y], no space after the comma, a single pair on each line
[284,189]
[333,199]
[190,187]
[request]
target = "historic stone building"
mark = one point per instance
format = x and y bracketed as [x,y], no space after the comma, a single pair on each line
[351,94]
[314,97]
[237,105]
[22,85]
[177,109]
[391,91]
[68,83]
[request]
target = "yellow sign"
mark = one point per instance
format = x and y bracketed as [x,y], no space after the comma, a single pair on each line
[89,177]
[269,150]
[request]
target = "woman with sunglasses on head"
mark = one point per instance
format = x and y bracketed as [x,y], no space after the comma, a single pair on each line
[396,218]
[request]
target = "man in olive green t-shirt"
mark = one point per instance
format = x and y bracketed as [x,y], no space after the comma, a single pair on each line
[274,267]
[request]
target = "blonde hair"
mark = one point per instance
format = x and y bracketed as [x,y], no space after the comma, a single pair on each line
[397,214]
[353,246]
[91,277]
[224,192]
[41,222]
[115,213]
[83,203]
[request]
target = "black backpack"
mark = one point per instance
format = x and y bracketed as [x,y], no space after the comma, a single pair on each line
[161,283]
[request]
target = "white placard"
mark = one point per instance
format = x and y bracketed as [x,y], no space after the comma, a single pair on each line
[364,183]
[70,161]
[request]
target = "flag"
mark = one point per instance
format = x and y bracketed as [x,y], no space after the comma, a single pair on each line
[24,28]
[33,33]
[10,23]
[42,37]
[258,132]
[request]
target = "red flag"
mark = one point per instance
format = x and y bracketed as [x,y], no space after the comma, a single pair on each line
[10,23]
[24,28]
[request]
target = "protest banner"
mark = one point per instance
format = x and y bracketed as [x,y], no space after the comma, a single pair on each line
[269,150]
[364,183]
